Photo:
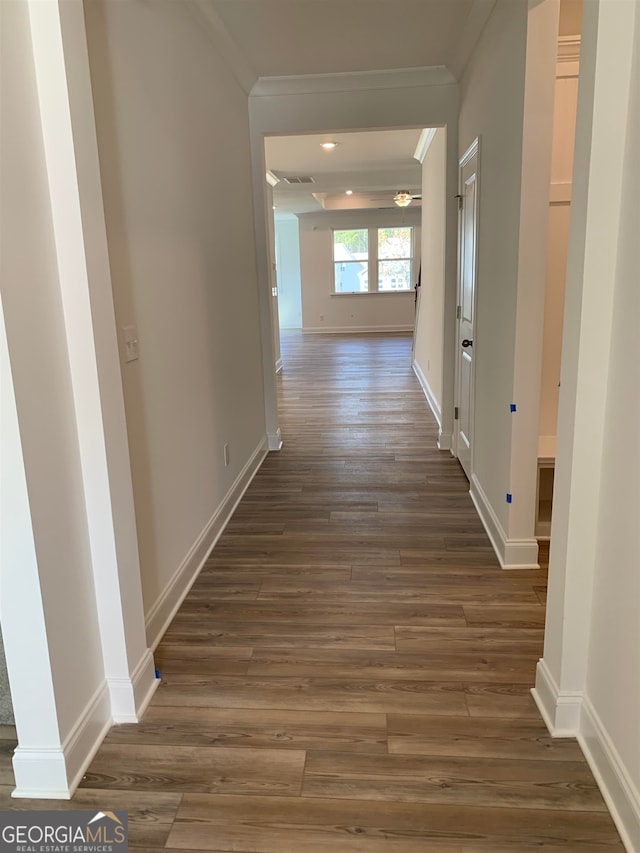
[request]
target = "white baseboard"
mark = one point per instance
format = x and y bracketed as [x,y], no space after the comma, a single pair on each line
[352,330]
[560,709]
[445,440]
[428,393]
[130,696]
[274,440]
[618,789]
[165,608]
[571,714]
[278,365]
[55,772]
[511,553]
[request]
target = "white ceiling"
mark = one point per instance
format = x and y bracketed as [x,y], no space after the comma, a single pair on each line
[295,37]
[373,164]
[268,40]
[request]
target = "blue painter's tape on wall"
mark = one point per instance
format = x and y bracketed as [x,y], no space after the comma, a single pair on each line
[509,498]
[512,407]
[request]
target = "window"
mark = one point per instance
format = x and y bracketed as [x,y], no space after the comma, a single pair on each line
[377,260]
[351,260]
[394,258]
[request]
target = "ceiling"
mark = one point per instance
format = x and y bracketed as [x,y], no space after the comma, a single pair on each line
[267,39]
[373,164]
[295,37]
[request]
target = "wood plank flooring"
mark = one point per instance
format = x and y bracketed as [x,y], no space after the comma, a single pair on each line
[351,671]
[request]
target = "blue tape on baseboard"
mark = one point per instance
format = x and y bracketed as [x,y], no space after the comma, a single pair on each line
[158,675]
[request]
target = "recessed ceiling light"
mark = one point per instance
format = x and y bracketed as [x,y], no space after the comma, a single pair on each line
[328,146]
[349,192]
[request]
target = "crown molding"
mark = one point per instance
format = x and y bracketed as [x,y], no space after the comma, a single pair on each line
[309,84]
[426,138]
[474,25]
[226,46]
[272,179]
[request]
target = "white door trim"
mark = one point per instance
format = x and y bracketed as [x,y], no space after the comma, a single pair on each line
[473,150]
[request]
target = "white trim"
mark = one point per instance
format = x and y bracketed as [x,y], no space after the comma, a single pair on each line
[274,440]
[445,441]
[560,192]
[131,696]
[569,48]
[272,179]
[350,330]
[352,81]
[571,714]
[428,393]
[166,606]
[618,789]
[560,709]
[278,365]
[476,20]
[511,553]
[224,44]
[472,151]
[426,138]
[45,773]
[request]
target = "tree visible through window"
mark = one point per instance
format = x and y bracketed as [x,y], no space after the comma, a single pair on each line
[386,253]
[351,260]
[394,258]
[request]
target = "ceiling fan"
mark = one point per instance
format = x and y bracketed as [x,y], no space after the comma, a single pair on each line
[403,198]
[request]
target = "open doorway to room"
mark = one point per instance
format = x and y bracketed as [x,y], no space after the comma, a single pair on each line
[346,255]
[564,128]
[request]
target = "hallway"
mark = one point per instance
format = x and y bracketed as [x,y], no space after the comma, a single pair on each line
[351,670]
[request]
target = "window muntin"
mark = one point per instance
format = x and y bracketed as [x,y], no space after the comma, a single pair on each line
[373,260]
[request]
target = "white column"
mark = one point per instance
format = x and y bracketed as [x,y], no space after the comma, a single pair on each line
[70,592]
[68,127]
[598,180]
[21,609]
[521,549]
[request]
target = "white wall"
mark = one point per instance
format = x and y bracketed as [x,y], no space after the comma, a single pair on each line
[288,270]
[507,95]
[322,310]
[177,193]
[588,682]
[430,321]
[491,107]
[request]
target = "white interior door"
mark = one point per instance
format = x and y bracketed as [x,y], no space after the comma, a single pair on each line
[467,263]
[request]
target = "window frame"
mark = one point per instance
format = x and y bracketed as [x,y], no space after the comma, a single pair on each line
[373,260]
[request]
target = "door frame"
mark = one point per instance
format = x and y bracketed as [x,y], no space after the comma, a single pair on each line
[473,150]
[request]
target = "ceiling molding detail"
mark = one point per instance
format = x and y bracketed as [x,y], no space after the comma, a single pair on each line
[474,25]
[226,46]
[426,138]
[272,179]
[568,48]
[309,84]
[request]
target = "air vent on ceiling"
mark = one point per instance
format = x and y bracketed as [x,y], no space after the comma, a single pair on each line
[299,179]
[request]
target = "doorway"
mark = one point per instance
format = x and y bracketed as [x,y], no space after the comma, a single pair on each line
[466,309]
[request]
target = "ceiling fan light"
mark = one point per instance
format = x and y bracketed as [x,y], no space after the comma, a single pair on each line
[403,198]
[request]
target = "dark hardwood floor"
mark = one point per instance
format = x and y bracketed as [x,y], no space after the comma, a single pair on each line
[351,671]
